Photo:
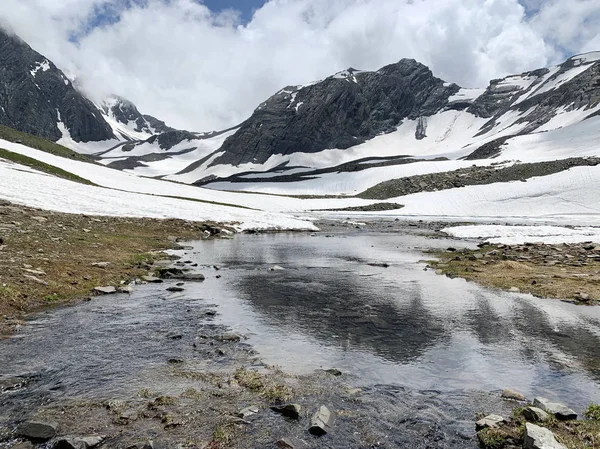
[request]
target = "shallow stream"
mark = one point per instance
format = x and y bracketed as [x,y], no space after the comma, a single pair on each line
[441,346]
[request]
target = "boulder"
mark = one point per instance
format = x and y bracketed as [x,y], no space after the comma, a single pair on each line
[321,422]
[559,410]
[489,422]
[37,430]
[290,410]
[535,414]
[175,289]
[537,437]
[513,395]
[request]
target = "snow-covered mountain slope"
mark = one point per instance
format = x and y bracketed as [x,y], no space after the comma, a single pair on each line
[118,180]
[538,115]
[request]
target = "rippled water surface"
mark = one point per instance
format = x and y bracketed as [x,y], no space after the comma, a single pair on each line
[400,324]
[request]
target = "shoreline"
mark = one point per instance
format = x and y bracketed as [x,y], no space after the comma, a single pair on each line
[567,272]
[50,258]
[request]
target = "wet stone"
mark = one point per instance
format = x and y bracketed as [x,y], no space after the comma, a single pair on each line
[152,279]
[247,412]
[70,442]
[290,443]
[175,289]
[23,445]
[321,422]
[513,395]
[105,290]
[37,430]
[230,336]
[290,410]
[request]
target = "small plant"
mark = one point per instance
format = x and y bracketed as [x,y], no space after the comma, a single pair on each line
[592,412]
[223,434]
[192,393]
[52,297]
[145,393]
[250,379]
[277,393]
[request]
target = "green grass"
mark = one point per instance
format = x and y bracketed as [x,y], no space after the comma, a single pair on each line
[592,412]
[38,143]
[42,166]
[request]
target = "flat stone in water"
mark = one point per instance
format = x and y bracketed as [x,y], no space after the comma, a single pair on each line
[512,394]
[290,410]
[105,290]
[152,279]
[37,430]
[321,422]
[490,421]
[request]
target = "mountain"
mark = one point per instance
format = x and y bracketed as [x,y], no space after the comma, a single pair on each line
[341,111]
[36,97]
[129,123]
[357,120]
[347,127]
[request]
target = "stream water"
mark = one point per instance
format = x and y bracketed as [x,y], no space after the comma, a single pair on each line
[308,302]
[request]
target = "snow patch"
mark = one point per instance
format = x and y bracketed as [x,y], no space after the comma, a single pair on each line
[518,235]
[43,66]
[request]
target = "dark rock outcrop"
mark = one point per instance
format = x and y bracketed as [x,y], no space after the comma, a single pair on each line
[35,96]
[341,111]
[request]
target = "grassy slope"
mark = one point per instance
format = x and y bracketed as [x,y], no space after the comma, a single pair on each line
[38,143]
[41,166]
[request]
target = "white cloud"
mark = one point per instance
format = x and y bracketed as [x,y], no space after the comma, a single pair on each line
[201,71]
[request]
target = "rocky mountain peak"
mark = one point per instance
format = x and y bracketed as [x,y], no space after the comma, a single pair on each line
[36,97]
[341,111]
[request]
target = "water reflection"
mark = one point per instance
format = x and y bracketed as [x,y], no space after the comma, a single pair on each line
[401,324]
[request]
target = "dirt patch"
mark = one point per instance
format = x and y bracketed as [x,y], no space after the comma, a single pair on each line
[570,272]
[49,258]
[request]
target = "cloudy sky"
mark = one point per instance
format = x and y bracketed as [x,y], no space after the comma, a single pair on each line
[204,65]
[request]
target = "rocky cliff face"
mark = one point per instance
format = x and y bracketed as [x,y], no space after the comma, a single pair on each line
[126,113]
[36,97]
[339,112]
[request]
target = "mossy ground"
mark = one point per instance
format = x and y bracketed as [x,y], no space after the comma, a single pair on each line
[492,266]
